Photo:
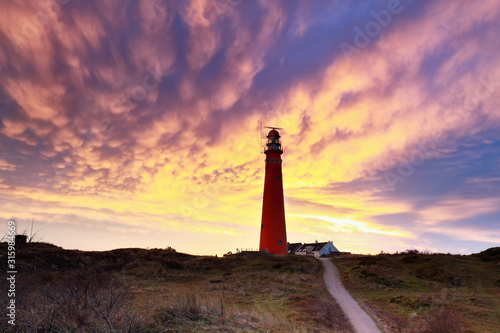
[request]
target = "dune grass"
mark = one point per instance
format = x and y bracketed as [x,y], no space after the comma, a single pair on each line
[158,290]
[414,292]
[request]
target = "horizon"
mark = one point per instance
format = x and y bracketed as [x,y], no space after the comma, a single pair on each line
[139,125]
[229,252]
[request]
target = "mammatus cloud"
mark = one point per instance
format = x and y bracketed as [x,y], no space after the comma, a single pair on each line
[145,113]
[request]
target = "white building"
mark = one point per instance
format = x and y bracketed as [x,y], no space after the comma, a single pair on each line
[317,249]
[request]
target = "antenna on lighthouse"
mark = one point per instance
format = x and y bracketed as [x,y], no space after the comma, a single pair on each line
[262,137]
[274,128]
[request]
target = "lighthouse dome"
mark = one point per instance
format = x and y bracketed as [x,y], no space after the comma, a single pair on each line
[273,141]
[273,132]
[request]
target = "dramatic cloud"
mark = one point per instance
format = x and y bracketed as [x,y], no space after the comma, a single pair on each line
[135,123]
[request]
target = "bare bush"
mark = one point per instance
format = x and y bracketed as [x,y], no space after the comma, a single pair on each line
[444,321]
[83,302]
[411,252]
[401,322]
[192,308]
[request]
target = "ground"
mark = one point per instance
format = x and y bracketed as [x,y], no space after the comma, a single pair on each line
[160,290]
[414,292]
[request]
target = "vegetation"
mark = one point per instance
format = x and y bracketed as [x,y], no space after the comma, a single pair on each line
[160,290]
[422,292]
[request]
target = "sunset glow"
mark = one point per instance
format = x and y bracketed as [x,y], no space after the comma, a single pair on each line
[136,123]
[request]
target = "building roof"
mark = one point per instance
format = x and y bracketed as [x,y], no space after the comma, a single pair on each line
[315,247]
[293,247]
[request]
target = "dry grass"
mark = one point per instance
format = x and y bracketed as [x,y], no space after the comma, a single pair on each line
[414,292]
[138,290]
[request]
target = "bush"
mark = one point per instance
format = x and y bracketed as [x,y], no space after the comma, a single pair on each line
[81,302]
[191,309]
[411,252]
[401,322]
[444,321]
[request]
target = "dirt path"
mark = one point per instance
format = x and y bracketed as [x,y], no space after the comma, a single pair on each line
[359,319]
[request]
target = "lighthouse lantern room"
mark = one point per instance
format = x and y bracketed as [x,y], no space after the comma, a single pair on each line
[273,226]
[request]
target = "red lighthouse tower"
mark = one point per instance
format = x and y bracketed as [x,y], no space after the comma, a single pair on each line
[273,227]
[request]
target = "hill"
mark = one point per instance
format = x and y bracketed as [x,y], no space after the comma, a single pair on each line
[160,290]
[415,292]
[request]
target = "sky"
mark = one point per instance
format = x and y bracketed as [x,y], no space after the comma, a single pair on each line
[138,123]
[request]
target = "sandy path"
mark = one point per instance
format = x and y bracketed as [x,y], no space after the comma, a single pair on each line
[359,319]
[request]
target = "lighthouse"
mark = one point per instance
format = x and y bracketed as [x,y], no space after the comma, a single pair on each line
[273,226]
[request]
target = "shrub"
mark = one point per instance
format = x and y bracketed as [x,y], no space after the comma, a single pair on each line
[401,322]
[444,321]
[411,252]
[78,303]
[191,308]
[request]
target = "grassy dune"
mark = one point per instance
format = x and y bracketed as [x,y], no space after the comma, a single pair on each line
[415,292]
[139,290]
